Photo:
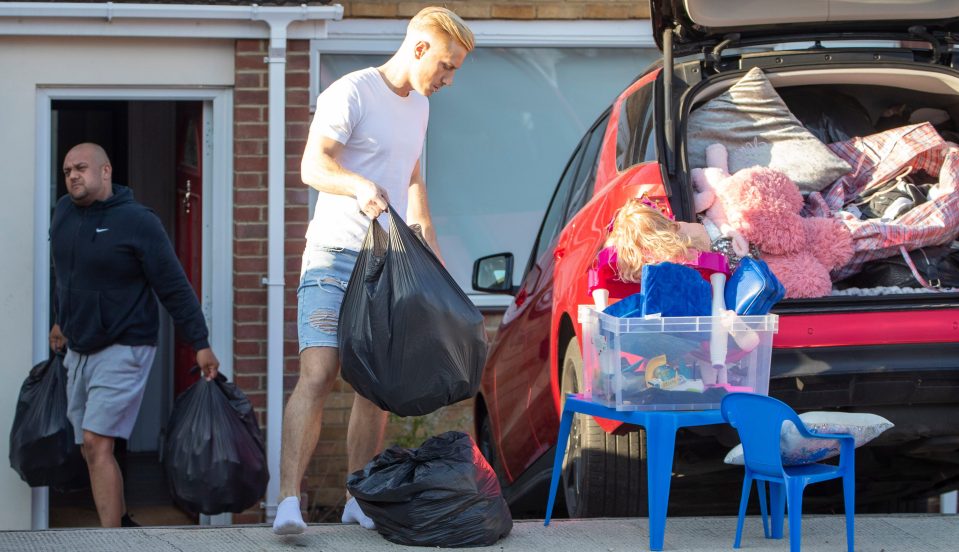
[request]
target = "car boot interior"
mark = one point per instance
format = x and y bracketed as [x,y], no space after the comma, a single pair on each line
[849,104]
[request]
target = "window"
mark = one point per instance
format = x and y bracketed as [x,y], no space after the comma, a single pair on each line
[586,175]
[499,138]
[635,139]
[554,219]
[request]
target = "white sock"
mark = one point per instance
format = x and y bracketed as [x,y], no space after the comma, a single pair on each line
[289,520]
[353,514]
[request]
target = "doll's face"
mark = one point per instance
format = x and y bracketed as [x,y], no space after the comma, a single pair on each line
[696,233]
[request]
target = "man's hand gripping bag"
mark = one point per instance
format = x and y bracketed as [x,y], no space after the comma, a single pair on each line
[409,339]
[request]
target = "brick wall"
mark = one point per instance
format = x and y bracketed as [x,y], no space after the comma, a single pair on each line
[522,9]
[250,230]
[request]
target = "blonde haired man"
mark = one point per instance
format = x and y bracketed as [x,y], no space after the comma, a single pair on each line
[361,155]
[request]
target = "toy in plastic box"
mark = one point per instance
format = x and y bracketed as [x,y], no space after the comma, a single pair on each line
[661,363]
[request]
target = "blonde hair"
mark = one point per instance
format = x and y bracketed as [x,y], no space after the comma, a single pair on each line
[640,235]
[442,20]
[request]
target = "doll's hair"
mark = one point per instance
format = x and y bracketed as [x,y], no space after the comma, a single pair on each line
[642,234]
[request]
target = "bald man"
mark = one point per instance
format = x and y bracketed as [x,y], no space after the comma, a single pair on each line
[110,256]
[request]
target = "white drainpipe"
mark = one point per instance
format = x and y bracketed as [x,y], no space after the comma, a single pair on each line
[276,201]
[31,19]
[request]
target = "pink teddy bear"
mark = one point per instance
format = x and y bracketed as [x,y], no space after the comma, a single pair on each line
[761,206]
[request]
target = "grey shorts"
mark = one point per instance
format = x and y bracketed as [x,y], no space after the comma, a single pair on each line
[320,296]
[105,389]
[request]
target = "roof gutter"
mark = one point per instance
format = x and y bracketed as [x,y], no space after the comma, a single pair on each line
[161,20]
[171,21]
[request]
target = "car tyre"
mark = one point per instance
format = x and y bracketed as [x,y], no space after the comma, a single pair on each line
[604,475]
[487,448]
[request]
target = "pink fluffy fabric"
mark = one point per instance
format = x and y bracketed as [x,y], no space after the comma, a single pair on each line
[801,274]
[764,204]
[829,240]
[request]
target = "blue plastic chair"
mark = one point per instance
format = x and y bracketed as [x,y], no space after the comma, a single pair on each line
[759,419]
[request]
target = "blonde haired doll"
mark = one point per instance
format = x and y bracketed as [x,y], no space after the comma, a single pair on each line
[641,234]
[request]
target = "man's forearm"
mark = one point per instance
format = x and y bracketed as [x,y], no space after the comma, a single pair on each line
[429,234]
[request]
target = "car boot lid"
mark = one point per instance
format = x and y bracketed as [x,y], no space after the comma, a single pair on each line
[703,23]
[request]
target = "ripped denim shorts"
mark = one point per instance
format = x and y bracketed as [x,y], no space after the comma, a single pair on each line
[320,295]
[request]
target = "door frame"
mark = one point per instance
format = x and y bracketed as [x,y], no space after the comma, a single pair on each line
[217,250]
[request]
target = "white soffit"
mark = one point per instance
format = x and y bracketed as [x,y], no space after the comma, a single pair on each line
[160,20]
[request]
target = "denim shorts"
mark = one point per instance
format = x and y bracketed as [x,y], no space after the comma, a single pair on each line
[320,295]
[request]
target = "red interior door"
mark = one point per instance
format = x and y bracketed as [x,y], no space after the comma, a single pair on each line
[188,239]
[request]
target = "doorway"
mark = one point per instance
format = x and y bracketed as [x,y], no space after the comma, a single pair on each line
[157,149]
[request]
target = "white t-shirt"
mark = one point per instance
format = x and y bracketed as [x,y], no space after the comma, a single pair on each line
[383,135]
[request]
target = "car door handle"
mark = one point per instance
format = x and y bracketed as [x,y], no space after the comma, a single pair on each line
[559,253]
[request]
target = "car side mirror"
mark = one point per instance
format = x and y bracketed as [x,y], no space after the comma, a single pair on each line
[494,273]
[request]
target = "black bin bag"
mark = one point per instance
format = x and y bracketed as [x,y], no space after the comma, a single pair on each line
[214,455]
[409,339]
[42,447]
[442,494]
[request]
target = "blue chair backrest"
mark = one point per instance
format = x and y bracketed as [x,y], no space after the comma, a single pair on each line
[759,420]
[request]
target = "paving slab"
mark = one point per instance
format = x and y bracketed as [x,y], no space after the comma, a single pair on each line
[874,533]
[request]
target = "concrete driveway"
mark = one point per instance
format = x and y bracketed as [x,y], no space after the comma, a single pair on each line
[874,533]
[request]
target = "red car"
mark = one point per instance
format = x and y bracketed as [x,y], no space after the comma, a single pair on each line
[895,355]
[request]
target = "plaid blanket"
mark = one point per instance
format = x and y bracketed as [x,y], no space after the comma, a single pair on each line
[881,157]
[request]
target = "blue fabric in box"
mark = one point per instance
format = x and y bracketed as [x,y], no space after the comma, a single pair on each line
[669,289]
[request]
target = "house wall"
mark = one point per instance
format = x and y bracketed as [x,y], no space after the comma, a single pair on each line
[26,64]
[103,61]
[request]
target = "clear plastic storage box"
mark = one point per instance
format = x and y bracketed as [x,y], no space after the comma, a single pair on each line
[674,363]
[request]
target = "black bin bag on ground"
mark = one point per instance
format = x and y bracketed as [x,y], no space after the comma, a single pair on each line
[442,494]
[409,339]
[42,447]
[214,455]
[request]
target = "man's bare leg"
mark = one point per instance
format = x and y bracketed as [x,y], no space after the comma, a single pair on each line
[364,437]
[302,420]
[364,440]
[106,481]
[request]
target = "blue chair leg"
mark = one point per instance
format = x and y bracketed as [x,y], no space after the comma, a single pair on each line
[777,507]
[565,424]
[794,491]
[761,490]
[849,496]
[747,486]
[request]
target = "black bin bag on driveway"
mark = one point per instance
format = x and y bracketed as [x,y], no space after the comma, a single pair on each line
[409,339]
[42,447]
[214,455]
[441,494]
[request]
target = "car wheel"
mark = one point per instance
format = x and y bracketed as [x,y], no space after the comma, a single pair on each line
[486,446]
[604,475]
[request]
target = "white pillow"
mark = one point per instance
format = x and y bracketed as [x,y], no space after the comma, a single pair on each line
[797,449]
[757,128]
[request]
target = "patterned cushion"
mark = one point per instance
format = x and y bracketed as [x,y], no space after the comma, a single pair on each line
[797,449]
[757,128]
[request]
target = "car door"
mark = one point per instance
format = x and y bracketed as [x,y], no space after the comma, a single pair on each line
[524,329]
[542,408]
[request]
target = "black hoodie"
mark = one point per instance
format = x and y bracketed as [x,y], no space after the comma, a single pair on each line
[109,258]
